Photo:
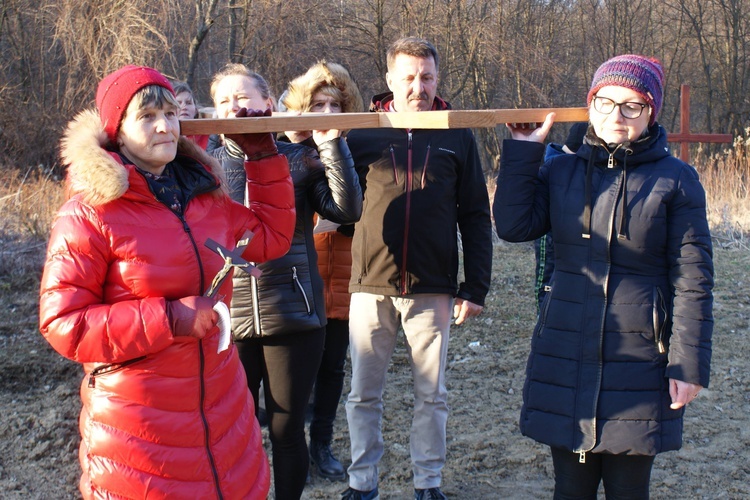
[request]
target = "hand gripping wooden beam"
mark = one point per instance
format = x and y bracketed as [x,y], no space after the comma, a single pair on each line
[280,122]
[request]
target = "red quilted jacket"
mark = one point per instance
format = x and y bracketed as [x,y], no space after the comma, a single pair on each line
[163,416]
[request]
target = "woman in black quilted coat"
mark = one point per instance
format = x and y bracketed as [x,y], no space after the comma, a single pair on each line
[279,318]
[623,340]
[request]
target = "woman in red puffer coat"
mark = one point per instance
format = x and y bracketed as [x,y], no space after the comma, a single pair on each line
[165,414]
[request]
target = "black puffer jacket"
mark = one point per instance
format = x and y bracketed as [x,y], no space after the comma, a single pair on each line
[630,304]
[420,185]
[288,296]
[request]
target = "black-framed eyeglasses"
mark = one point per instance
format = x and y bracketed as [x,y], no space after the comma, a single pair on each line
[629,110]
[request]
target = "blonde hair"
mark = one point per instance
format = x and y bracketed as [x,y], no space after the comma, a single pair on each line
[331,79]
[237,69]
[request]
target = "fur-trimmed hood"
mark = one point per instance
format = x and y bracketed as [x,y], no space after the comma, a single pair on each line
[302,89]
[96,173]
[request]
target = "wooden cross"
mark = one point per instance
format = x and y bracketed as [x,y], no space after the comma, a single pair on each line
[684,137]
[232,260]
[281,122]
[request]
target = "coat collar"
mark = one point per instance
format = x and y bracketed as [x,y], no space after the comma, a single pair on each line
[97,173]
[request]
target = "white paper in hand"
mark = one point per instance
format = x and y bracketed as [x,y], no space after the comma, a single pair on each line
[324,226]
[224,324]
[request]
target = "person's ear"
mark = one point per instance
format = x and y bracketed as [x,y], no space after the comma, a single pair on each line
[389,81]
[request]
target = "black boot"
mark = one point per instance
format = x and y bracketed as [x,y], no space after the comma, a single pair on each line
[324,461]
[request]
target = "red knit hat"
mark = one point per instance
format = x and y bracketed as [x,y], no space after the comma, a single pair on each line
[117,89]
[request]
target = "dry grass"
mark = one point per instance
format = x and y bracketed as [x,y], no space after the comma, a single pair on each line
[726,178]
[28,203]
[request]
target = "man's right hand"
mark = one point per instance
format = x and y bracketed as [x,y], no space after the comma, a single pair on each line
[191,316]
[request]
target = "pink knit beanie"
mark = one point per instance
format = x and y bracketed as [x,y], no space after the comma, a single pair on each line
[117,89]
[639,73]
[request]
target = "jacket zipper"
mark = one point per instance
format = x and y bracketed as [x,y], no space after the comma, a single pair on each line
[295,278]
[110,368]
[211,460]
[409,176]
[186,227]
[545,310]
[256,304]
[658,301]
[582,453]
[393,162]
[189,232]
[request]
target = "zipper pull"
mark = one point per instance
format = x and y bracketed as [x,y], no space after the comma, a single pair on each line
[660,347]
[582,457]
[611,161]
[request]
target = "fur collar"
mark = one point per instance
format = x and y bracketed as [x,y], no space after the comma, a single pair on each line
[96,173]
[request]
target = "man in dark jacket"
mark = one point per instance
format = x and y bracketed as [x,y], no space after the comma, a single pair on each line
[420,186]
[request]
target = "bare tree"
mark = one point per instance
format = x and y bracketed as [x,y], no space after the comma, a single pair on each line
[205,12]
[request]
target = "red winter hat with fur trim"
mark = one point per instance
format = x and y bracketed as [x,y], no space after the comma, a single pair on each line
[117,89]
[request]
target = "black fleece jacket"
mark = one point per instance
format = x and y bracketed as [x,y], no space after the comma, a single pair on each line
[420,187]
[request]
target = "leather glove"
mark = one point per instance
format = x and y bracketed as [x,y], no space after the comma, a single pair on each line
[191,316]
[255,146]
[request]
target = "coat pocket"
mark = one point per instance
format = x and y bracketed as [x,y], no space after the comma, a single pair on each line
[301,289]
[544,310]
[659,313]
[108,368]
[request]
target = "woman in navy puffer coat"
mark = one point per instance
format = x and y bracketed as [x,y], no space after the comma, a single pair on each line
[623,340]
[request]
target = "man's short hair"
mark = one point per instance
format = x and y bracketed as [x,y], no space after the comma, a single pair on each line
[411,46]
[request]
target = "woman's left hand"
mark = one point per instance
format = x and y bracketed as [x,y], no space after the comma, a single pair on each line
[321,136]
[255,145]
[531,132]
[682,393]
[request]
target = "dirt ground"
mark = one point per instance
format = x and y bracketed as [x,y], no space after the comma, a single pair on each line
[487,456]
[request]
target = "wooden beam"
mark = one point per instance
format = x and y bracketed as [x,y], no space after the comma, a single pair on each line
[685,138]
[685,121]
[280,122]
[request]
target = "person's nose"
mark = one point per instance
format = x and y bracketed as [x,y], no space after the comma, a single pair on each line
[235,105]
[416,86]
[327,108]
[616,115]
[162,124]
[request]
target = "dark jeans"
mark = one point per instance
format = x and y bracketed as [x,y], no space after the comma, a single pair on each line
[286,364]
[624,476]
[330,380]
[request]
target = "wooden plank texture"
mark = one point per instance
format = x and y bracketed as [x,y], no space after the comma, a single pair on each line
[280,122]
[713,138]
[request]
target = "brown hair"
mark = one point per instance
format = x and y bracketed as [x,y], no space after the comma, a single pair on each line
[411,46]
[180,87]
